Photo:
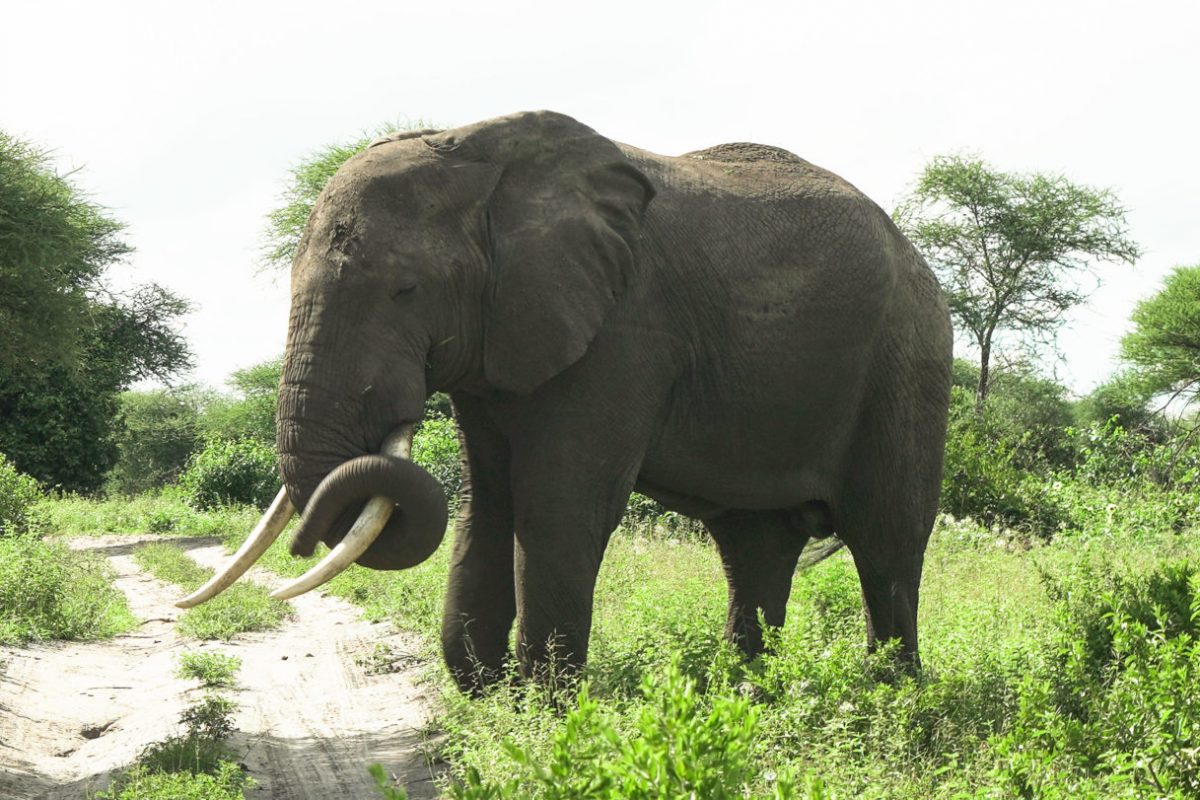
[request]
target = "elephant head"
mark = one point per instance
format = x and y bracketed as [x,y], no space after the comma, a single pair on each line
[479,259]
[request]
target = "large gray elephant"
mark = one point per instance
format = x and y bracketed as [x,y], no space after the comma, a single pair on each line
[734,332]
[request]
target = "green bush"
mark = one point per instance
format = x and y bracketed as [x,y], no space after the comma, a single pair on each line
[435,447]
[214,670]
[980,479]
[684,744]
[18,493]
[159,431]
[1119,715]
[48,591]
[195,765]
[225,472]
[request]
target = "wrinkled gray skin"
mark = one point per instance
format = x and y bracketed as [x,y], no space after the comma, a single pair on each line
[734,332]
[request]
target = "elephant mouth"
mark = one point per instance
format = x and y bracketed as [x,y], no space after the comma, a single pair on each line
[388,482]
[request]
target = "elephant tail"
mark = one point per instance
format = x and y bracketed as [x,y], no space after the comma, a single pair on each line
[818,550]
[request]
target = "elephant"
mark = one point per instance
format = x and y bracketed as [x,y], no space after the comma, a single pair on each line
[734,332]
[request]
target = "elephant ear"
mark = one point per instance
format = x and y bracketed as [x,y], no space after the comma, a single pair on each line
[564,221]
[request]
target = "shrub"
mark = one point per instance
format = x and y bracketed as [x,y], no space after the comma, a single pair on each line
[684,744]
[159,431]
[18,492]
[196,764]
[214,670]
[435,447]
[225,472]
[1121,716]
[48,591]
[981,480]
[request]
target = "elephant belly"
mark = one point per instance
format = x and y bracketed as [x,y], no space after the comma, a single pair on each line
[770,455]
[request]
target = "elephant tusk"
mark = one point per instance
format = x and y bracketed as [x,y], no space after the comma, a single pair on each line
[365,530]
[265,532]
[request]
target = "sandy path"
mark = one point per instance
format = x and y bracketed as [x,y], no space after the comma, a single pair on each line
[310,719]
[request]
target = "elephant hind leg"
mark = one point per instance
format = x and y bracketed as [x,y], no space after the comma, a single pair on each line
[890,590]
[759,550]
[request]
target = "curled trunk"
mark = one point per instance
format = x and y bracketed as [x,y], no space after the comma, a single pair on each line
[414,529]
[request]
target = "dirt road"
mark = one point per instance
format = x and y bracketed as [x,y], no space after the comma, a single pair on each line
[311,716]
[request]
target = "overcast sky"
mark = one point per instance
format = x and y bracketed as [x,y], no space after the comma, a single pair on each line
[186,117]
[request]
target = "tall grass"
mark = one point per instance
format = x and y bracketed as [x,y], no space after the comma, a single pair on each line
[48,591]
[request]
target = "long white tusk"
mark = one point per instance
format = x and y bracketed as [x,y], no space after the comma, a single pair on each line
[267,531]
[366,529]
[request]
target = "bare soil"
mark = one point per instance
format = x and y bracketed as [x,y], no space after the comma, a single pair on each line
[312,714]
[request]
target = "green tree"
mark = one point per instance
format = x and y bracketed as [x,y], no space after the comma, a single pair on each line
[250,412]
[159,431]
[1008,248]
[1164,345]
[70,346]
[285,225]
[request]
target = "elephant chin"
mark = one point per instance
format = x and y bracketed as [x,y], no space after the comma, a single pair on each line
[414,529]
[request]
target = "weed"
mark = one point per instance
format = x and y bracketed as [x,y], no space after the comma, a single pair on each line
[389,792]
[214,670]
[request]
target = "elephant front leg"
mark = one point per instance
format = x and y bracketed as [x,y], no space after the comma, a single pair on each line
[480,597]
[557,562]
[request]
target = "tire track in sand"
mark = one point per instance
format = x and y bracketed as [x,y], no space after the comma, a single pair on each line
[310,718]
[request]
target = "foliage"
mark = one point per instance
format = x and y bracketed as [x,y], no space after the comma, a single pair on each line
[1124,716]
[229,472]
[1004,246]
[435,447]
[379,775]
[1125,400]
[60,422]
[18,494]
[48,591]
[160,429]
[285,225]
[243,607]
[194,764]
[1164,345]
[982,477]
[54,247]
[683,745]
[250,412]
[161,512]
[213,670]
[70,346]
[228,782]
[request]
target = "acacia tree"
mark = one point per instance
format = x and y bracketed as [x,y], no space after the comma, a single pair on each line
[285,224]
[1164,346]
[68,346]
[1009,248]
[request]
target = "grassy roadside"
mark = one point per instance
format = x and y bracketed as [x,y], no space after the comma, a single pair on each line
[48,591]
[1001,622]
[1051,670]
[242,608]
[156,512]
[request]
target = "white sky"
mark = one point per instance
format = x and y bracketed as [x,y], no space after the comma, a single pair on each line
[186,117]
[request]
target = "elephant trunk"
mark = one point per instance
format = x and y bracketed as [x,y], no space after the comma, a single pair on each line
[418,516]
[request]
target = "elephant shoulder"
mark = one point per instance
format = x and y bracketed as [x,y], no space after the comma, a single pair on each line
[745,151]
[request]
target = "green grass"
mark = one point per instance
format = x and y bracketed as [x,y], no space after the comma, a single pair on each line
[194,765]
[161,512]
[819,718]
[241,608]
[213,670]
[50,592]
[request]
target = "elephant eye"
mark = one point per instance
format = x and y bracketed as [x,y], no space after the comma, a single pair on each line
[404,291]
